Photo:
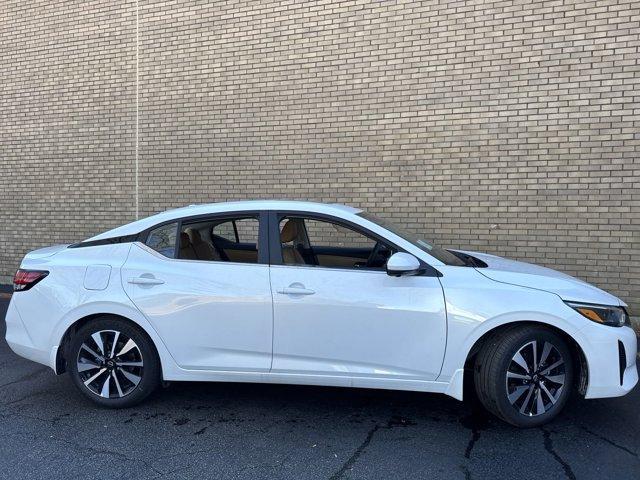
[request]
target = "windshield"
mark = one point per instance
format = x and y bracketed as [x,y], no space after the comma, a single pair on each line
[441,254]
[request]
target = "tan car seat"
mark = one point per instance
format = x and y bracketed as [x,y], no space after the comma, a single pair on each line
[203,250]
[186,251]
[289,233]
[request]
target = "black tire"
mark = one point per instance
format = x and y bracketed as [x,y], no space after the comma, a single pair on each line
[149,373]
[497,357]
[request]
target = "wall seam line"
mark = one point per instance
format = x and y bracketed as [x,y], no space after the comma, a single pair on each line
[137,161]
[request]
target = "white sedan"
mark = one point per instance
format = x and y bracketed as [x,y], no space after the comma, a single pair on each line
[309,293]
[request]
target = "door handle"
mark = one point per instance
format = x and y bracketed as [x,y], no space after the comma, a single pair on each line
[145,281]
[291,290]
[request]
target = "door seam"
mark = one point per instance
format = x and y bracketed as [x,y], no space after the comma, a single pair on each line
[273,312]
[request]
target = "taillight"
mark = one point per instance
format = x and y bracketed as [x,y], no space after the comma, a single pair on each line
[25,279]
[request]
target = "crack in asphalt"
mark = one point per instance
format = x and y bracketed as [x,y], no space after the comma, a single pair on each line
[548,446]
[51,421]
[26,377]
[354,457]
[466,472]
[475,436]
[394,421]
[476,421]
[112,453]
[610,442]
[54,420]
[25,397]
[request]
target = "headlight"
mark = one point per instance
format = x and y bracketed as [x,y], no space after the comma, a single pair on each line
[604,314]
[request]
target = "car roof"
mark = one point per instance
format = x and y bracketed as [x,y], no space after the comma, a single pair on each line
[221,207]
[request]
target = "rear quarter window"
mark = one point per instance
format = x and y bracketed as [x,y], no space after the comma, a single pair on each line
[163,239]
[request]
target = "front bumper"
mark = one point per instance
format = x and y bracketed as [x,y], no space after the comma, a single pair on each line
[611,360]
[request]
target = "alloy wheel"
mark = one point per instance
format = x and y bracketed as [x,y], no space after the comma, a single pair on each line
[110,364]
[535,378]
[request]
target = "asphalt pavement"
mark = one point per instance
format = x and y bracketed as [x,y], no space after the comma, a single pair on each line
[244,431]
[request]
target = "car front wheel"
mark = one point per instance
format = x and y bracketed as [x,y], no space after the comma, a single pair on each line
[524,375]
[113,362]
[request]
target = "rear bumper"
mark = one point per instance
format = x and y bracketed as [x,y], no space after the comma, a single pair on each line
[611,361]
[20,341]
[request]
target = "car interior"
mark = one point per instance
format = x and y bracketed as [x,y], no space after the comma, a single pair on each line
[308,241]
[222,240]
[304,240]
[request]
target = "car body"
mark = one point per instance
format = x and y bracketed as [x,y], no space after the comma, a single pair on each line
[274,305]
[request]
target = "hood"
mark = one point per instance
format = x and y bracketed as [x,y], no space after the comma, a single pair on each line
[542,278]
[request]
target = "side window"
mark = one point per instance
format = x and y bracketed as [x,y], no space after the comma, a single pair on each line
[163,239]
[216,240]
[331,234]
[309,241]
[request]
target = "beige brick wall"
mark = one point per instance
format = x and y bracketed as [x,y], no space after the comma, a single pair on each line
[451,117]
[67,122]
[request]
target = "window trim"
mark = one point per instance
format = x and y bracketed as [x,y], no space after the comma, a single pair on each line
[275,247]
[134,237]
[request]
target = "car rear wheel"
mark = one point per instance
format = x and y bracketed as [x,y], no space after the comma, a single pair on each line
[113,362]
[524,375]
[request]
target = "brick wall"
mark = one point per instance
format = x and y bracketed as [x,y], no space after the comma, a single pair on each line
[451,117]
[67,122]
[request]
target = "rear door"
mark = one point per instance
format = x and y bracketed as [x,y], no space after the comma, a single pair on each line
[212,312]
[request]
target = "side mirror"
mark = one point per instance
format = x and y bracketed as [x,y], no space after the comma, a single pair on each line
[403,264]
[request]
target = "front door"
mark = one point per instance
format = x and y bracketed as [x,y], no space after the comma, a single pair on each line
[337,312]
[212,313]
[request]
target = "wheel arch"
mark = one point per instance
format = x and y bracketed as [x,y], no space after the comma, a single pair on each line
[81,318]
[580,360]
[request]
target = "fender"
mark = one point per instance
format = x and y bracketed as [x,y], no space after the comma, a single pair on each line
[453,366]
[477,305]
[519,317]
